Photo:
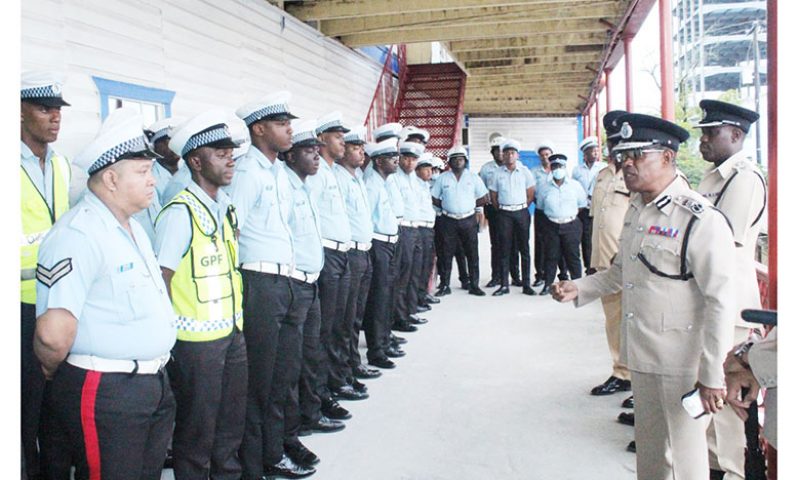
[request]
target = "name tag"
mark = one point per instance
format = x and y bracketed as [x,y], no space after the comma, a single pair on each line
[124,267]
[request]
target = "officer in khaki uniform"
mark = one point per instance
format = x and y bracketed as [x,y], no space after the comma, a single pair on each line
[197,250]
[677,301]
[610,202]
[736,188]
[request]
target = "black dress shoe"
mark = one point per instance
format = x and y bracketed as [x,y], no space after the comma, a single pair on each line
[501,291]
[333,410]
[404,327]
[590,271]
[492,283]
[612,385]
[517,283]
[394,352]
[416,320]
[348,392]
[286,468]
[529,291]
[300,454]
[538,283]
[382,363]
[169,462]
[629,402]
[546,290]
[431,299]
[627,418]
[716,474]
[476,291]
[465,285]
[443,290]
[398,340]
[632,447]
[365,373]
[360,387]
[322,425]
[423,308]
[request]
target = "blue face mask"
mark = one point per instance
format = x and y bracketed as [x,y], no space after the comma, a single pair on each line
[558,174]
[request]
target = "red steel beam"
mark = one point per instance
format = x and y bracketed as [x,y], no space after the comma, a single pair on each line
[627,53]
[607,89]
[666,59]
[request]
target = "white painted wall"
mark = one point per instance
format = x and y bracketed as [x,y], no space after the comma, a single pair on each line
[220,53]
[531,132]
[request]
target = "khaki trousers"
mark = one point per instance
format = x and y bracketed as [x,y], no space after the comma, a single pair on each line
[612,325]
[726,434]
[671,445]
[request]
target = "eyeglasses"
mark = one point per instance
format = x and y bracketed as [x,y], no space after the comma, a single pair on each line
[634,154]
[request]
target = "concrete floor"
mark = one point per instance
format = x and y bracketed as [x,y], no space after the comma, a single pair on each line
[491,388]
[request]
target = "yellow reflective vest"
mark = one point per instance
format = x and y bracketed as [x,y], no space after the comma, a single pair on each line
[37,219]
[206,287]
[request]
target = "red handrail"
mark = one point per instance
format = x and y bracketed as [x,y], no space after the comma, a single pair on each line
[383,103]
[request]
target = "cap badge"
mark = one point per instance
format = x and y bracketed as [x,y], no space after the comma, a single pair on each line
[626,130]
[56,88]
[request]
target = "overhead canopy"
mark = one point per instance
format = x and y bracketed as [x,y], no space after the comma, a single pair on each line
[536,57]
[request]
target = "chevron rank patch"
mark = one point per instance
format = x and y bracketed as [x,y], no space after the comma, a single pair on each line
[49,276]
[669,232]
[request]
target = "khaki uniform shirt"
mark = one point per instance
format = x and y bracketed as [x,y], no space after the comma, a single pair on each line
[671,326]
[742,202]
[610,202]
[762,358]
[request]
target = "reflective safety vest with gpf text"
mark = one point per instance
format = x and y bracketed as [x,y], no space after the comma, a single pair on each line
[37,219]
[206,287]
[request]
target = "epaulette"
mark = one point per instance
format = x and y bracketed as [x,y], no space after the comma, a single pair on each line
[694,206]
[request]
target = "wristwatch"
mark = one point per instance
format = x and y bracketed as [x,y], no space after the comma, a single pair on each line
[741,350]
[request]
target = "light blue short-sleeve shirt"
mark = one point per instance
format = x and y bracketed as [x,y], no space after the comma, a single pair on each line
[147,217]
[459,197]
[330,203]
[177,183]
[173,227]
[357,203]
[541,179]
[488,171]
[395,194]
[164,176]
[109,281]
[409,189]
[262,195]
[586,176]
[426,209]
[43,181]
[305,225]
[562,201]
[382,215]
[511,186]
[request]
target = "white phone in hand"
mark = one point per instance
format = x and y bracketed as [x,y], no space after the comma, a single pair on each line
[691,401]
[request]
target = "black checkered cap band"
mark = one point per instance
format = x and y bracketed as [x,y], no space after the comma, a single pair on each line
[137,144]
[325,126]
[204,138]
[265,112]
[47,91]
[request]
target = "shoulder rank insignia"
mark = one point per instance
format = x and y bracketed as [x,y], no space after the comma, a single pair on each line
[669,232]
[695,207]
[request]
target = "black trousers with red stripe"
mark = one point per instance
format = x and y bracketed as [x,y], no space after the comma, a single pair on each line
[119,424]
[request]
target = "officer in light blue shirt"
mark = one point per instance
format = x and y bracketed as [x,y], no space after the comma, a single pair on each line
[105,322]
[586,174]
[512,191]
[541,174]
[169,163]
[561,200]
[263,198]
[377,317]
[426,229]
[349,176]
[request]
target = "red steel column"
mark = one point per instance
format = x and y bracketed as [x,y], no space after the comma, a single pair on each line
[666,59]
[627,54]
[607,89]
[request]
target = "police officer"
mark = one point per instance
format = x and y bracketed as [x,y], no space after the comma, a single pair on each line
[458,193]
[409,249]
[678,300]
[735,186]
[377,317]
[426,230]
[585,174]
[197,250]
[44,190]
[486,173]
[169,163]
[98,279]
[334,280]
[560,200]
[512,191]
[263,199]
[304,405]
[607,209]
[349,176]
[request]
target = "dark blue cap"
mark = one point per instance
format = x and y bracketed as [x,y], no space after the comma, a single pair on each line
[639,130]
[717,113]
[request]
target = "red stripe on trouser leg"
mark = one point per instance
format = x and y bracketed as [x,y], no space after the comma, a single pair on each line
[90,440]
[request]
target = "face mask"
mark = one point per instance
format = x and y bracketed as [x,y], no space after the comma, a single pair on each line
[558,174]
